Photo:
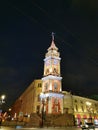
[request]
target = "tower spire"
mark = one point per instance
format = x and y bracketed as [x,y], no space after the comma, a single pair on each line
[53,36]
[52,46]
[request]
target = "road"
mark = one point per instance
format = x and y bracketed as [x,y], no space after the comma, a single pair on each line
[45,128]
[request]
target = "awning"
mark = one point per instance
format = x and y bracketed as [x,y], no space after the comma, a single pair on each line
[84,116]
[90,117]
[78,116]
[95,117]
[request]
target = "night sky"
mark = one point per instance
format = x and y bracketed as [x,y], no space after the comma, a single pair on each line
[25,35]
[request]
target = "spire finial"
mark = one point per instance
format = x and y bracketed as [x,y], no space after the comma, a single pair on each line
[53,36]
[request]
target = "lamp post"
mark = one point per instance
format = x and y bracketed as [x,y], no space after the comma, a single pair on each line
[42,96]
[2,99]
[43,112]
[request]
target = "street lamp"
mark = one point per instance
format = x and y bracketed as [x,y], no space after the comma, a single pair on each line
[43,103]
[2,99]
[42,96]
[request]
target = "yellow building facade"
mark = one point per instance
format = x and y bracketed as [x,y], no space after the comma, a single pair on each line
[83,109]
[29,101]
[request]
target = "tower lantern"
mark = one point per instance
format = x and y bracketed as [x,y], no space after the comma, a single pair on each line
[51,81]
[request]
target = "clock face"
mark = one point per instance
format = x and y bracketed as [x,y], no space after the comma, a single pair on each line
[55,61]
[48,62]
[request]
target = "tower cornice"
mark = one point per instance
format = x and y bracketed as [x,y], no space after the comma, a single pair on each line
[51,77]
[50,57]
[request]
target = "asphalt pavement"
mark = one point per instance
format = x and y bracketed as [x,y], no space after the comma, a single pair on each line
[44,128]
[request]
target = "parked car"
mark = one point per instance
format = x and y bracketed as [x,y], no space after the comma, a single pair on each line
[88,126]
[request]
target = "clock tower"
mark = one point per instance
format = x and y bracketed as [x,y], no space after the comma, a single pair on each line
[51,96]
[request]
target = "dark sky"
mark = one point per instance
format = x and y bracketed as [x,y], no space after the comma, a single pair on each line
[25,35]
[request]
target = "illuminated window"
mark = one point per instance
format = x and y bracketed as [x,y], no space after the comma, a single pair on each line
[55,86]
[76,108]
[39,85]
[75,100]
[46,86]
[81,102]
[47,71]
[37,109]
[82,108]
[55,71]
[56,109]
[56,101]
[38,99]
